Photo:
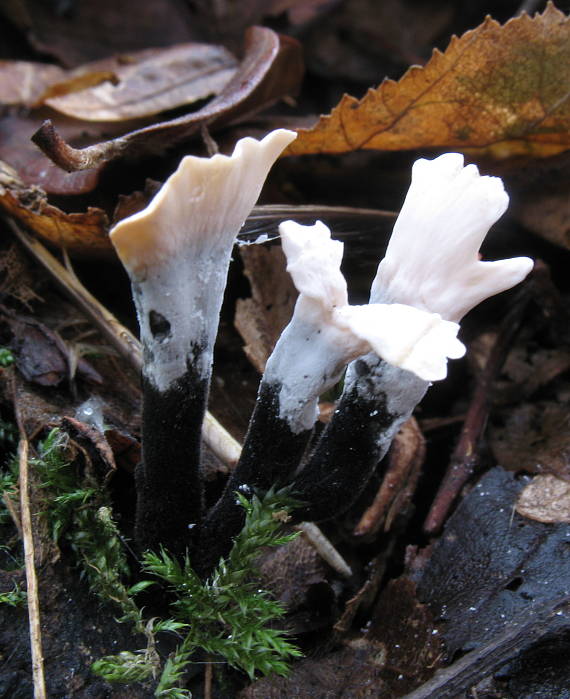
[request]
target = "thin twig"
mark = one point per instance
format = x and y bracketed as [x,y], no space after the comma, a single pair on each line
[324,547]
[208,676]
[217,438]
[465,458]
[31,579]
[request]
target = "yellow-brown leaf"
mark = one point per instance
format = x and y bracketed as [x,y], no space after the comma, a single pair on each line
[499,91]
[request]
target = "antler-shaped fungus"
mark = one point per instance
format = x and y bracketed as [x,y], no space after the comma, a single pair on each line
[177,252]
[432,264]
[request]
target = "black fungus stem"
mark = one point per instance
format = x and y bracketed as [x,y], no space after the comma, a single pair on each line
[270,455]
[354,442]
[168,481]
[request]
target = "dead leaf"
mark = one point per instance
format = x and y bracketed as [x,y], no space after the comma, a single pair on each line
[31,164]
[545,499]
[97,450]
[41,355]
[271,69]
[534,438]
[499,91]
[22,82]
[147,82]
[80,234]
[261,318]
[126,449]
[75,33]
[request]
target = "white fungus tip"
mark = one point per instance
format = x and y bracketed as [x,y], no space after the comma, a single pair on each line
[203,200]
[432,258]
[313,261]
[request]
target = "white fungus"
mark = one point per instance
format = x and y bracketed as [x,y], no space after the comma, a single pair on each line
[432,259]
[177,252]
[326,333]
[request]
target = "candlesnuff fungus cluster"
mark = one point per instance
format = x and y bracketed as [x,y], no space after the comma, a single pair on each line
[177,253]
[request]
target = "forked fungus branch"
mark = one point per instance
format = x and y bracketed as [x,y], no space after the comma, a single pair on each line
[177,253]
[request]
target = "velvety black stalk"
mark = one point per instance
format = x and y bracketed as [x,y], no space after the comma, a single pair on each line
[356,439]
[168,481]
[270,455]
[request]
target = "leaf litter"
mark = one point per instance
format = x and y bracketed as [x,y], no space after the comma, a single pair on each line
[495,91]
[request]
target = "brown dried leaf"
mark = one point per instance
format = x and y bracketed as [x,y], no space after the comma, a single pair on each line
[272,68]
[146,82]
[33,167]
[77,32]
[546,499]
[536,438]
[498,91]
[80,234]
[261,318]
[41,356]
[94,444]
[22,82]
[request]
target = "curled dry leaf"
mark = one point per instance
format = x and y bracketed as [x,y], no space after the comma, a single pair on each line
[22,82]
[498,91]
[147,82]
[81,233]
[94,444]
[545,499]
[31,164]
[272,68]
[97,99]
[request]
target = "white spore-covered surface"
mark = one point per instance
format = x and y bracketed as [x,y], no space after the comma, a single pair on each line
[326,332]
[432,259]
[177,250]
